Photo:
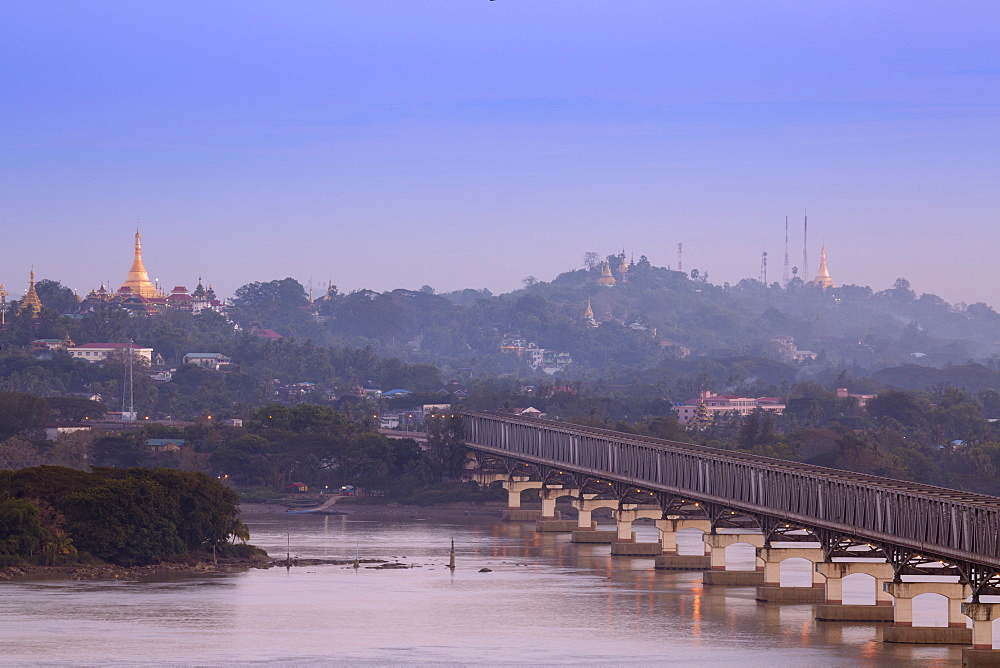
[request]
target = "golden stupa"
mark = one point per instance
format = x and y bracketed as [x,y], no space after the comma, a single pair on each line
[31,299]
[607,278]
[823,279]
[138,280]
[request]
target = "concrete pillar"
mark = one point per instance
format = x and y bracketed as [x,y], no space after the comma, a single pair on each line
[834,608]
[514,489]
[718,542]
[773,556]
[982,616]
[548,508]
[902,629]
[773,592]
[718,574]
[629,514]
[669,527]
[625,544]
[586,528]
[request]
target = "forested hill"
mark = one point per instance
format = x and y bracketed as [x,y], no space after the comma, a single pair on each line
[653,316]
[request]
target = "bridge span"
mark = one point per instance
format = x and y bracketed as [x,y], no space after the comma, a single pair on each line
[916,529]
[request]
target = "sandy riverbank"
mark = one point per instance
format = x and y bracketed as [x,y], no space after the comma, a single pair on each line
[492,509]
[113,572]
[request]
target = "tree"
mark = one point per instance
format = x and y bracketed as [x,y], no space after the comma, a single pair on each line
[591,260]
[56,296]
[22,414]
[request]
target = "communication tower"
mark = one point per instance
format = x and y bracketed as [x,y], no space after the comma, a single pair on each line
[785,276]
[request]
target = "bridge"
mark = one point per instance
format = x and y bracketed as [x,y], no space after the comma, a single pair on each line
[848,519]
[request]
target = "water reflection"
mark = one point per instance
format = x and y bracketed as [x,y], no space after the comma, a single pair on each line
[546,601]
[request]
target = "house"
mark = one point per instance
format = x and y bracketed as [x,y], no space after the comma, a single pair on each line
[165,444]
[54,430]
[863,399]
[99,352]
[297,487]
[207,360]
[268,334]
[393,394]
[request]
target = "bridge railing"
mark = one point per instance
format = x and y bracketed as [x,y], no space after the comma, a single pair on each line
[942,522]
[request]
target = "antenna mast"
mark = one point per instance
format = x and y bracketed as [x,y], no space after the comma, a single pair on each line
[680,256]
[785,277]
[763,267]
[128,397]
[805,247]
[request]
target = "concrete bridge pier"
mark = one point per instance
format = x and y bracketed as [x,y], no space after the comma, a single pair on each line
[981,653]
[625,544]
[669,558]
[903,630]
[586,528]
[551,519]
[772,591]
[718,573]
[834,608]
[514,512]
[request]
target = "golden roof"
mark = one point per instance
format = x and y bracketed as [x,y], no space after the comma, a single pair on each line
[31,299]
[138,280]
[607,278]
[823,275]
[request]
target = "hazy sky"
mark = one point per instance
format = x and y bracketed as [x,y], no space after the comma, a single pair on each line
[471,143]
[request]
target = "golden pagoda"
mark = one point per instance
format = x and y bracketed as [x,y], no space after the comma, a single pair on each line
[588,316]
[823,279]
[138,280]
[31,300]
[607,278]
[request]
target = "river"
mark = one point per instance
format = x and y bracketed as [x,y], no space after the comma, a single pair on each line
[545,601]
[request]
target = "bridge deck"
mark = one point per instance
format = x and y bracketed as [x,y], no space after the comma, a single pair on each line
[941,522]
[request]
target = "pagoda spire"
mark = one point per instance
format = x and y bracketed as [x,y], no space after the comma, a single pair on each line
[138,280]
[823,275]
[31,299]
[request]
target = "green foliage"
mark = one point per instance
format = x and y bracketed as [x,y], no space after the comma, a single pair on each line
[22,414]
[128,517]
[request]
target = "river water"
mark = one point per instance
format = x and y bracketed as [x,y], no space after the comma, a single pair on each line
[545,601]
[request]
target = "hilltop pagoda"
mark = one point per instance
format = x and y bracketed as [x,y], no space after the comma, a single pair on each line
[31,299]
[138,282]
[823,279]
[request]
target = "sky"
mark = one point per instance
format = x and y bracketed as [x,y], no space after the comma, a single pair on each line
[472,143]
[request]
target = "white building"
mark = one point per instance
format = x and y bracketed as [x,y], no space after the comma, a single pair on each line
[727,403]
[207,360]
[98,352]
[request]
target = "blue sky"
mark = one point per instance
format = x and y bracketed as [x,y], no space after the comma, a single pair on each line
[472,143]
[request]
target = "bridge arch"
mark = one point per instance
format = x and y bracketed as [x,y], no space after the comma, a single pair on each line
[859,589]
[795,572]
[930,610]
[741,557]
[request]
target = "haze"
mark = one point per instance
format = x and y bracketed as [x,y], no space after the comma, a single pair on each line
[470,144]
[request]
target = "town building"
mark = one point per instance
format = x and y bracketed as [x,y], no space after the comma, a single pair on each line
[207,360]
[711,405]
[99,352]
[863,399]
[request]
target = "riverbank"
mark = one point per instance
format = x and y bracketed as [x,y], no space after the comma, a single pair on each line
[351,507]
[115,572]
